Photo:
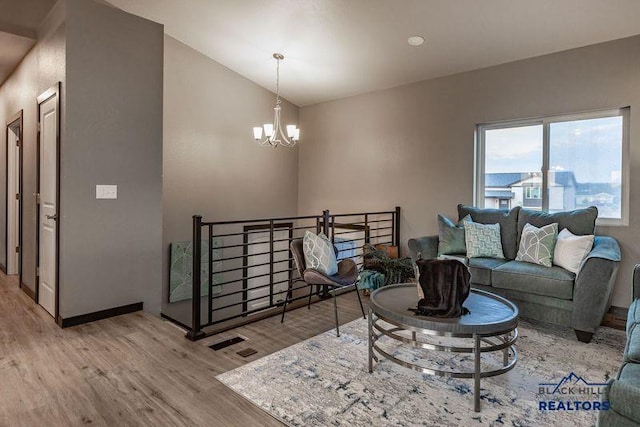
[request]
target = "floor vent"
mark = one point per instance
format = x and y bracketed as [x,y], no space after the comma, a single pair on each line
[226,343]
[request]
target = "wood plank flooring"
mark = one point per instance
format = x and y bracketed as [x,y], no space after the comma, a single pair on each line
[134,369]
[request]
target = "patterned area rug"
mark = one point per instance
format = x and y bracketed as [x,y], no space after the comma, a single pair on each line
[324,381]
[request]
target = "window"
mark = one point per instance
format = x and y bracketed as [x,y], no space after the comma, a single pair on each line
[556,164]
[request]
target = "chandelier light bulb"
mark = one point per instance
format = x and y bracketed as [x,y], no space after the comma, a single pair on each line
[291,130]
[268,129]
[257,133]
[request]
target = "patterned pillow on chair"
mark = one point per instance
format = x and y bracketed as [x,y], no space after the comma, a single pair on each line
[319,254]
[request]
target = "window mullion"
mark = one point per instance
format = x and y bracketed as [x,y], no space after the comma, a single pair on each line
[545,165]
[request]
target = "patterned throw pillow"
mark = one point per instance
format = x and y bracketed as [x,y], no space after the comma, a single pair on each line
[483,240]
[451,236]
[537,244]
[319,253]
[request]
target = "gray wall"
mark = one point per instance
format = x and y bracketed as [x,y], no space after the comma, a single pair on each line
[212,166]
[110,250]
[43,67]
[413,146]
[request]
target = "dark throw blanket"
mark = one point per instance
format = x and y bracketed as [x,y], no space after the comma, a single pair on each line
[445,285]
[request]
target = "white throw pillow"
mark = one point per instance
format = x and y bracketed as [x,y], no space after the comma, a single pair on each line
[571,250]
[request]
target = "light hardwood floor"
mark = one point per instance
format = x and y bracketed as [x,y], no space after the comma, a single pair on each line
[134,369]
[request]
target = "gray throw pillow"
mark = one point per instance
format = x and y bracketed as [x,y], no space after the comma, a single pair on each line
[537,244]
[483,240]
[451,236]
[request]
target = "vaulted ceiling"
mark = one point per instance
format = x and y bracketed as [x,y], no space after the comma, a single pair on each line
[19,23]
[338,48]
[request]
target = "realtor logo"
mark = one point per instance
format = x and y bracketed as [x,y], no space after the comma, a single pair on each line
[572,393]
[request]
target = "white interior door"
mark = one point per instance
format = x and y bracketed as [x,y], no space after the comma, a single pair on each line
[257,289]
[47,286]
[13,202]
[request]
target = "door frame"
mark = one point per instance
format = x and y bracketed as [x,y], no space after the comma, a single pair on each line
[45,96]
[18,117]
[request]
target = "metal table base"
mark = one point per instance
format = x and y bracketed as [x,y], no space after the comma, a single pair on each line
[503,341]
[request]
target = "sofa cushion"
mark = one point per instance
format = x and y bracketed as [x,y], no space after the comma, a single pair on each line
[633,317]
[632,349]
[580,221]
[508,221]
[534,279]
[537,244]
[480,269]
[483,240]
[571,250]
[624,394]
[451,239]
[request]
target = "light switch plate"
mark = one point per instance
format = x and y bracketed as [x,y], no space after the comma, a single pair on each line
[106,191]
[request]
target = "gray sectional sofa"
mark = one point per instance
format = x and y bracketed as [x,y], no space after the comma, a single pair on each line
[623,393]
[550,294]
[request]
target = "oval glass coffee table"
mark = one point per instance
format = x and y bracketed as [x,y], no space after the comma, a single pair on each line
[491,326]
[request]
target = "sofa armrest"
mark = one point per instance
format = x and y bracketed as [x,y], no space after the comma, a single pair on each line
[426,246]
[593,287]
[623,398]
[636,281]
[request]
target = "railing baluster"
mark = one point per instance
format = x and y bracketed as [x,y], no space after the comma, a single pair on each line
[195,331]
[210,299]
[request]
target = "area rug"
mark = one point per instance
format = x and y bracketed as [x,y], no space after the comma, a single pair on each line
[324,381]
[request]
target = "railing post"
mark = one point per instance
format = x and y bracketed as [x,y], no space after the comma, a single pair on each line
[396,231]
[195,332]
[325,222]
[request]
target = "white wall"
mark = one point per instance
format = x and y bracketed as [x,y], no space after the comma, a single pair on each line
[413,146]
[212,166]
[42,68]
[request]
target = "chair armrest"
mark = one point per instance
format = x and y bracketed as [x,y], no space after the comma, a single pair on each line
[593,287]
[623,398]
[636,281]
[426,246]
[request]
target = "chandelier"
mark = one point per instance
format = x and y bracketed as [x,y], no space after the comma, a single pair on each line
[273,132]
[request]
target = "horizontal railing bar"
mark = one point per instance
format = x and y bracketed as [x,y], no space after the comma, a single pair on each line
[220,296]
[246,313]
[267,220]
[363,213]
[243,302]
[250,266]
[248,255]
[242,279]
[373,221]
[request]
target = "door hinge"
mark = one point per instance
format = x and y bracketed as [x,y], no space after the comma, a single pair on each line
[17,143]
[38,271]
[38,198]
[17,196]
[17,248]
[39,126]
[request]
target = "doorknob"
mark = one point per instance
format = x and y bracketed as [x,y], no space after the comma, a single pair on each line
[53,217]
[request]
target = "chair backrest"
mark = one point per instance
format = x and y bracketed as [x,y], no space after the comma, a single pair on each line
[298,255]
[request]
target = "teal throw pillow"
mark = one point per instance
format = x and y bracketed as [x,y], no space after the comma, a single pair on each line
[537,244]
[451,240]
[319,254]
[483,240]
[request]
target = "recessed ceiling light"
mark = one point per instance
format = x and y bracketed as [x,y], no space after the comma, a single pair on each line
[415,40]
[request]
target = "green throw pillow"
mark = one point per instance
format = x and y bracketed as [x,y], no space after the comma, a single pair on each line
[537,244]
[451,239]
[319,254]
[483,240]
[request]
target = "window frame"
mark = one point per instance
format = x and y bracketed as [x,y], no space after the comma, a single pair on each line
[545,122]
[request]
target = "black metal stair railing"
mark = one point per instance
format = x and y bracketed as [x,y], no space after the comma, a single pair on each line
[248,268]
